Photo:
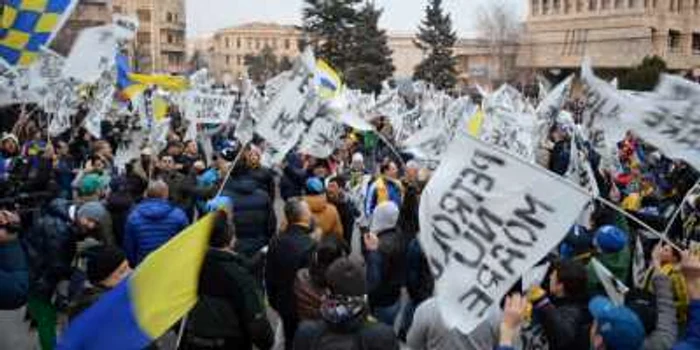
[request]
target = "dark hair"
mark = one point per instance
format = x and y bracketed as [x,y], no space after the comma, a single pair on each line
[293,210]
[327,251]
[223,231]
[385,165]
[574,277]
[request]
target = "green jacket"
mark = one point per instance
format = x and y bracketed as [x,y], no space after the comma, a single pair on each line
[618,264]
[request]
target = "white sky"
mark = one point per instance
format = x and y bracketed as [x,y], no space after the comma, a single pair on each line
[206,16]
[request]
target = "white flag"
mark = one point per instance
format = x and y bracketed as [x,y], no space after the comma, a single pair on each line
[93,53]
[125,27]
[550,107]
[208,108]
[615,289]
[639,266]
[323,137]
[487,217]
[534,276]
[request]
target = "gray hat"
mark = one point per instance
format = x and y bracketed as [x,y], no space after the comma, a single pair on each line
[385,217]
[92,210]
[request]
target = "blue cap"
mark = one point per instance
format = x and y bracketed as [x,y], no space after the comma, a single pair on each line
[610,239]
[314,185]
[220,202]
[619,326]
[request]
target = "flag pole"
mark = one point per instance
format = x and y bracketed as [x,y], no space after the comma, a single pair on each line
[679,209]
[391,147]
[230,169]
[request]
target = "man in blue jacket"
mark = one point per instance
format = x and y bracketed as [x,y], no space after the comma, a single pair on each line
[152,223]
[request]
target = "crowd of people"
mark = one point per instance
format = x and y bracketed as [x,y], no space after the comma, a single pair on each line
[330,245]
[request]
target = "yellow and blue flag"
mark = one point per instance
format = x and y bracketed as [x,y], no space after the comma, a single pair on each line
[165,82]
[144,306]
[127,87]
[327,80]
[28,25]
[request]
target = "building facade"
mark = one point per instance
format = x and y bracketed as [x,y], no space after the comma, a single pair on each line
[87,13]
[614,33]
[231,45]
[200,51]
[159,46]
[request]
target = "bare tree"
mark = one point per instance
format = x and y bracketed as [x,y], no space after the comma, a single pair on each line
[499,24]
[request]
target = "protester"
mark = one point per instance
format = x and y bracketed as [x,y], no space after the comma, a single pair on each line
[288,253]
[385,263]
[386,187]
[690,265]
[324,213]
[613,251]
[411,202]
[666,261]
[14,273]
[152,223]
[344,312]
[514,312]
[614,327]
[230,313]
[419,283]
[666,329]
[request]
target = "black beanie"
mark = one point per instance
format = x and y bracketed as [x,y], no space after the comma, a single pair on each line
[103,261]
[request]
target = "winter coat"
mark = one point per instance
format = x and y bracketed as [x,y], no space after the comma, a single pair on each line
[566,323]
[230,305]
[151,224]
[14,276]
[308,296]
[348,214]
[386,269]
[293,180]
[559,159]
[368,335]
[679,290]
[50,247]
[409,210]
[288,252]
[119,205]
[381,190]
[325,215]
[88,297]
[618,264]
[419,279]
[692,333]
[666,331]
[252,193]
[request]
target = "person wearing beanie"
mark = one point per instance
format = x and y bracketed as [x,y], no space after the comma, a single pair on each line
[95,220]
[106,267]
[325,214]
[344,315]
[386,263]
[612,249]
[614,327]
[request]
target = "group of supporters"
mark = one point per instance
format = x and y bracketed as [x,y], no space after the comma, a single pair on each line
[331,245]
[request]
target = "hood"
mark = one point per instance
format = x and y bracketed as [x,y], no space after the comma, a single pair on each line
[155,209]
[317,203]
[385,217]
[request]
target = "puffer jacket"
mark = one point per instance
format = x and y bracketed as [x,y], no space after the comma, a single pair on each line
[252,193]
[326,215]
[386,269]
[151,224]
[50,248]
[381,190]
[14,276]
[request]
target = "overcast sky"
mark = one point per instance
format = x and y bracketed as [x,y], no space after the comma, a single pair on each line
[206,16]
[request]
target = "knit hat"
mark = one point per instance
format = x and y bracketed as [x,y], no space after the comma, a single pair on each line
[90,184]
[385,217]
[358,158]
[314,185]
[619,326]
[102,262]
[346,277]
[9,137]
[610,239]
[92,210]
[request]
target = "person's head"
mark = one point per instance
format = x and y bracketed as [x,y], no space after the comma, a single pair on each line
[98,163]
[610,239]
[390,170]
[569,280]
[90,215]
[334,189]
[191,148]
[614,327]
[297,211]
[174,148]
[223,234]
[358,162]
[328,250]
[91,186]
[412,169]
[158,189]
[669,255]
[253,156]
[62,148]
[103,149]
[10,144]
[167,162]
[146,156]
[385,217]
[346,300]
[314,186]
[107,266]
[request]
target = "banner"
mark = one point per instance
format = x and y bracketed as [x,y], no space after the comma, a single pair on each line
[639,266]
[324,137]
[550,107]
[487,217]
[208,108]
[511,123]
[125,27]
[615,289]
[93,52]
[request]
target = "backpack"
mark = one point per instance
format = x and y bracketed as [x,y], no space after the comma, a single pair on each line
[329,340]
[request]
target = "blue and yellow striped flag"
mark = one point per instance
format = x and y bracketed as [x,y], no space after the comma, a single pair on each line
[144,306]
[28,25]
[327,80]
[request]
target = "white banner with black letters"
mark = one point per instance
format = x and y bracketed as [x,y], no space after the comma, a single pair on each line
[208,108]
[486,217]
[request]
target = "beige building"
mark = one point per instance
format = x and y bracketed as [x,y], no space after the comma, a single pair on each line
[203,46]
[231,45]
[87,13]
[614,33]
[160,42]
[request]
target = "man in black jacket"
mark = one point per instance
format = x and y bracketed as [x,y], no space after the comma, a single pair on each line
[346,209]
[564,317]
[288,253]
[230,313]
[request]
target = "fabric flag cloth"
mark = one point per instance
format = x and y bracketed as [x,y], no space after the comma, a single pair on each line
[165,82]
[29,25]
[145,305]
[615,289]
[486,217]
[639,267]
[326,80]
[128,88]
[475,123]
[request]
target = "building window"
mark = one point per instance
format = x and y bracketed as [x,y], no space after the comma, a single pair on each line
[545,7]
[556,6]
[228,59]
[143,38]
[567,6]
[257,44]
[170,38]
[239,61]
[228,43]
[696,43]
[274,43]
[680,6]
[579,5]
[605,4]
[632,4]
[672,5]
[535,7]
[169,17]
[592,5]
[696,6]
[674,41]
[250,43]
[143,15]
[286,44]
[117,9]
[238,43]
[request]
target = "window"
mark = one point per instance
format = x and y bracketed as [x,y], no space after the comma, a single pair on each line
[579,5]
[239,61]
[169,17]
[592,5]
[257,44]
[228,59]
[228,43]
[696,6]
[632,3]
[674,41]
[680,6]
[117,9]
[605,4]
[274,43]
[567,6]
[672,5]
[143,38]
[170,38]
[545,7]
[238,43]
[696,43]
[143,15]
[556,6]
[250,43]
[286,44]
[535,7]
